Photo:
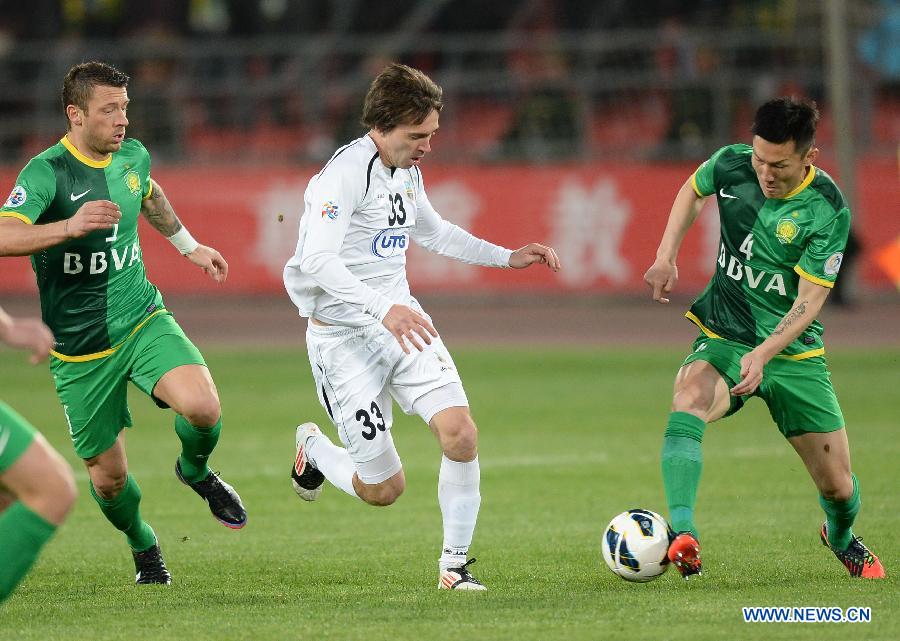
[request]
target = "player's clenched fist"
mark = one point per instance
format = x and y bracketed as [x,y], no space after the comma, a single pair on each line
[91,216]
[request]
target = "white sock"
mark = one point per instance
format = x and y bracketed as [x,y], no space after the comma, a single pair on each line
[460,499]
[332,461]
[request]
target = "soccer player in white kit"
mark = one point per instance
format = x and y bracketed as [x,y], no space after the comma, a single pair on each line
[368,339]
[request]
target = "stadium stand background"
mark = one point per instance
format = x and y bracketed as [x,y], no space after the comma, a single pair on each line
[586,115]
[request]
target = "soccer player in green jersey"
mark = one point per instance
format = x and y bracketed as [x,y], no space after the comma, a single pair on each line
[75,210]
[36,485]
[784,226]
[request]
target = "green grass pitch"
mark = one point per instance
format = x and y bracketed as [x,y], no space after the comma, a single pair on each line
[568,438]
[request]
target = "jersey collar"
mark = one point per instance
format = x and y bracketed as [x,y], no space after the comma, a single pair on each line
[803,185]
[96,164]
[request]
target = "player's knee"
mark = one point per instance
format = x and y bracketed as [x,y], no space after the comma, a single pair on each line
[109,485]
[459,439]
[837,489]
[692,399]
[54,497]
[380,494]
[64,493]
[66,490]
[203,412]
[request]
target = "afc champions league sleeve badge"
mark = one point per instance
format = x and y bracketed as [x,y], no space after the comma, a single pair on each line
[17,197]
[330,210]
[833,264]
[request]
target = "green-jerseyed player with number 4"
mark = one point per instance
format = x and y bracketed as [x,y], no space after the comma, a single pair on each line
[74,210]
[784,226]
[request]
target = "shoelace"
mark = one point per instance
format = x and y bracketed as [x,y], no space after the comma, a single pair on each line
[214,490]
[860,553]
[151,565]
[464,573]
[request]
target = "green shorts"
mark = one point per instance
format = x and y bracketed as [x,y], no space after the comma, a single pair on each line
[16,434]
[94,393]
[799,394]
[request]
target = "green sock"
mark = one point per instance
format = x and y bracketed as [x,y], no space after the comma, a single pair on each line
[839,517]
[22,535]
[124,512]
[682,463]
[197,443]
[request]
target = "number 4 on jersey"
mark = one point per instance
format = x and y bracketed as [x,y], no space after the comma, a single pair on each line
[746,247]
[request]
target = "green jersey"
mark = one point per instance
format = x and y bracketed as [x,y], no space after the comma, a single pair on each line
[94,290]
[767,246]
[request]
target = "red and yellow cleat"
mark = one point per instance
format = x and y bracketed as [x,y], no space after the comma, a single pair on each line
[857,558]
[684,553]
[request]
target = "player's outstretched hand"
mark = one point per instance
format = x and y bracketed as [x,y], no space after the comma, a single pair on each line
[534,253]
[91,216]
[661,278]
[405,322]
[752,365]
[210,261]
[27,333]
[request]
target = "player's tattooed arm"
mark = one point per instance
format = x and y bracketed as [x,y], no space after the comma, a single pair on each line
[159,212]
[797,311]
[809,301]
[810,298]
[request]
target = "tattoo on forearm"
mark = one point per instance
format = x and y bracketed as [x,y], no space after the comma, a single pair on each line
[159,213]
[798,311]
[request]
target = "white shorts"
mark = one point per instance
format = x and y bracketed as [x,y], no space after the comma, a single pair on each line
[358,370]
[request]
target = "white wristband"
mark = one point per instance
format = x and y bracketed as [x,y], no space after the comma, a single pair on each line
[183,241]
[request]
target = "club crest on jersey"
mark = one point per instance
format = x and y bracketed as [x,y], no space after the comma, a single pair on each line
[389,242]
[133,182]
[833,264]
[409,190]
[16,197]
[330,209]
[786,231]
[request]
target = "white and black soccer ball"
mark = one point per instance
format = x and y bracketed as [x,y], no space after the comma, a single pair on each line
[635,545]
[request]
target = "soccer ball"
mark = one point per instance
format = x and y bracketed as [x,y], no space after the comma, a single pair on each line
[635,544]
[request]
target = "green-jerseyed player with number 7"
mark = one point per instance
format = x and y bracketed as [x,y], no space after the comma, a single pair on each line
[74,210]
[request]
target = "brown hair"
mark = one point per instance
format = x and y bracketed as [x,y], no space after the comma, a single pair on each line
[400,95]
[79,83]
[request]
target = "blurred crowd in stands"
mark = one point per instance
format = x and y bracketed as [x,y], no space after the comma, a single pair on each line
[524,80]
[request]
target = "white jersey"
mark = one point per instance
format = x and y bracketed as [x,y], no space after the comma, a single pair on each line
[349,267]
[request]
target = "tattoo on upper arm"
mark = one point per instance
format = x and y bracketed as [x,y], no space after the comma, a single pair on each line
[792,316]
[159,212]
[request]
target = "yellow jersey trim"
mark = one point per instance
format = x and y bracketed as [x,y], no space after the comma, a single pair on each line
[813,279]
[92,357]
[791,357]
[694,185]
[149,193]
[802,356]
[696,321]
[803,185]
[14,214]
[96,164]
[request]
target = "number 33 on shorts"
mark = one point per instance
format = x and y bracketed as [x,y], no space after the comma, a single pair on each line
[371,420]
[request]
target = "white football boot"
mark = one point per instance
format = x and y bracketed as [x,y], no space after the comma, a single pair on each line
[459,578]
[305,477]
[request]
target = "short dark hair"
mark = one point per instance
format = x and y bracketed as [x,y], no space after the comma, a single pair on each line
[400,95]
[783,119]
[79,83]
